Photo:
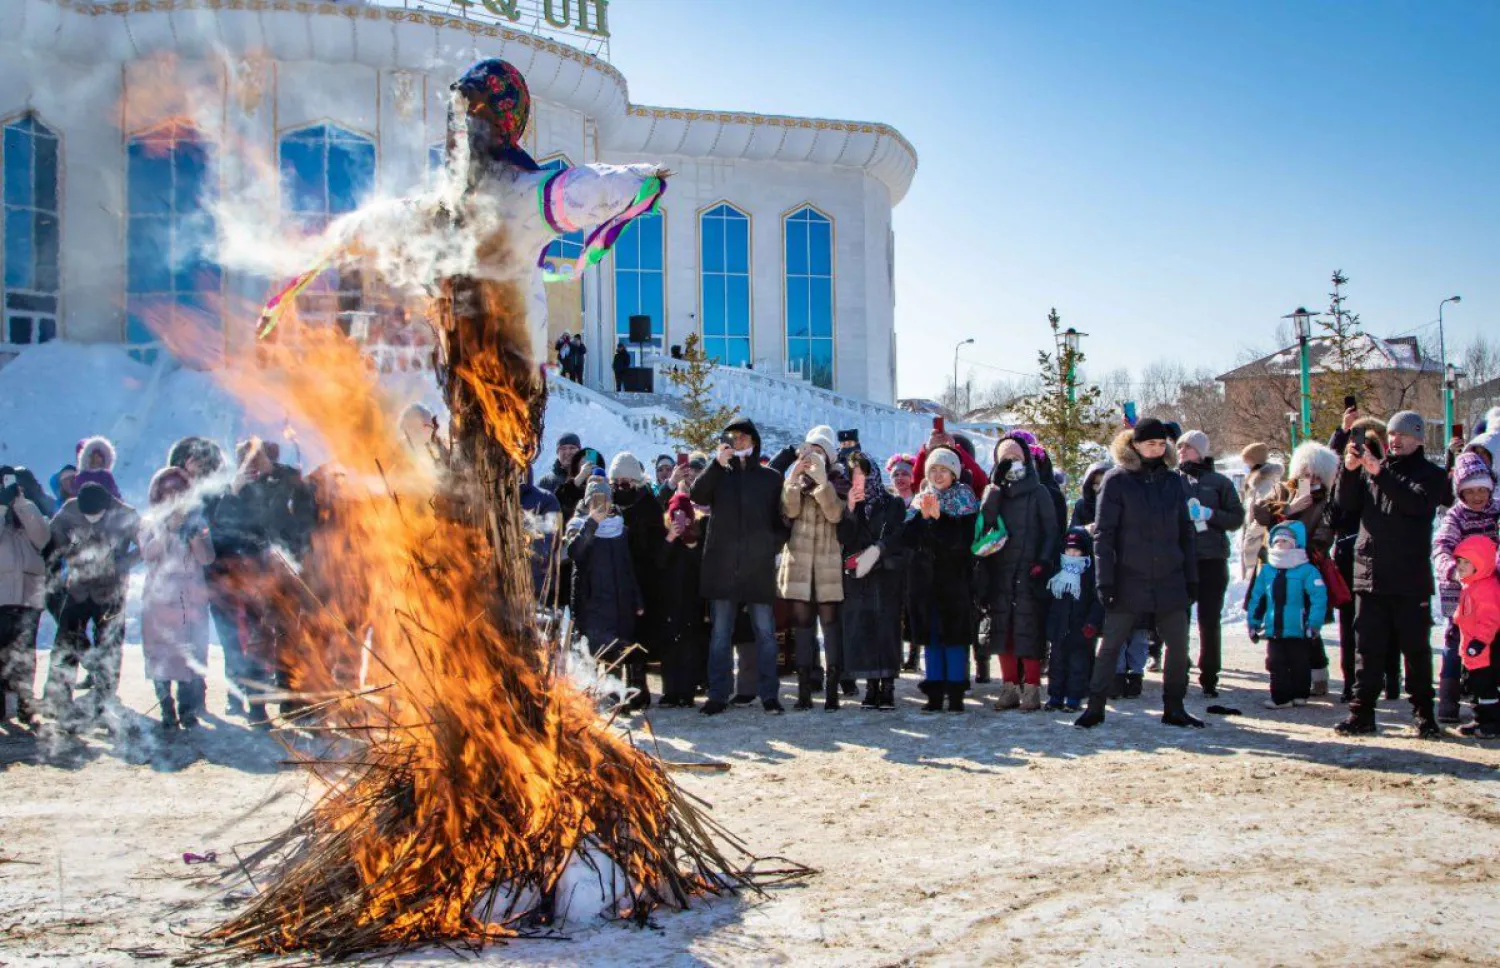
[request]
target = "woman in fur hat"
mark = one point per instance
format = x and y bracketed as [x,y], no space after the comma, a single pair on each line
[1306,497]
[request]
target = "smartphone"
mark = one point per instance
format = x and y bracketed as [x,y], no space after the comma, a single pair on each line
[1458,431]
[682,460]
[724,439]
[1129,408]
[938,425]
[1350,403]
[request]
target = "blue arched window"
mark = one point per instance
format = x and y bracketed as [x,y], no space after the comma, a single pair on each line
[565,250]
[326,171]
[640,276]
[809,295]
[28,160]
[172,275]
[724,243]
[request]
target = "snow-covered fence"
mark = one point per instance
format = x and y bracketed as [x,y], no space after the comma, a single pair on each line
[640,420]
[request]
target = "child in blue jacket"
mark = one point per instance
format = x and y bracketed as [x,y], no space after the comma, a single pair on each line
[1287,606]
[1074,618]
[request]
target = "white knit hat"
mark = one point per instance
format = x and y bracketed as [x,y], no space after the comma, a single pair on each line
[943,457]
[822,435]
[626,467]
[1197,440]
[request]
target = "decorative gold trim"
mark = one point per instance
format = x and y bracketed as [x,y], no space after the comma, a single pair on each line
[750,258]
[833,289]
[348,12]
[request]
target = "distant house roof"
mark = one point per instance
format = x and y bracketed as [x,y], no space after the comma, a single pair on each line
[1373,353]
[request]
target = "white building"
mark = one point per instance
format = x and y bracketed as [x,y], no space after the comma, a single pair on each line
[774,240]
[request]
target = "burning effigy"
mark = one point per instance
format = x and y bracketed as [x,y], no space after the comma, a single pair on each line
[471,774]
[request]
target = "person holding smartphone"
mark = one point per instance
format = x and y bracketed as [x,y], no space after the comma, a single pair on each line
[745,532]
[810,575]
[874,581]
[23,584]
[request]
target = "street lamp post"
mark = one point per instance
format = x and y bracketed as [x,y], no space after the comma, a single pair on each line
[1291,427]
[961,344]
[1302,321]
[1443,354]
[1070,339]
[1450,391]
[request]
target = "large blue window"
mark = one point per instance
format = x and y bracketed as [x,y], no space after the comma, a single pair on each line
[640,276]
[565,250]
[28,296]
[809,295]
[724,243]
[327,171]
[172,275]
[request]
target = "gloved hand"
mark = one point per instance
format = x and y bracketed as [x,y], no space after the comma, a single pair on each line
[817,470]
[866,561]
[1254,634]
[1107,596]
[1036,571]
[1089,632]
[1001,469]
[1198,512]
[784,459]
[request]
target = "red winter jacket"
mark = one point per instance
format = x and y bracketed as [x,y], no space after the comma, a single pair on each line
[1478,614]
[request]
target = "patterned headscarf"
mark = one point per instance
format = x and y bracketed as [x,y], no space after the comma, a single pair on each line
[499,108]
[875,492]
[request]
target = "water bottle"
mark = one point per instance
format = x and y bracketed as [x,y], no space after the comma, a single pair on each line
[1193,506]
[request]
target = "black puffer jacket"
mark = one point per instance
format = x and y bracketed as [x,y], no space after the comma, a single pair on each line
[1146,554]
[1217,493]
[647,532]
[605,593]
[945,595]
[745,529]
[1009,590]
[1395,510]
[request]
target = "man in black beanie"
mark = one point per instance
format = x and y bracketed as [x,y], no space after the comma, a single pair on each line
[567,445]
[1146,564]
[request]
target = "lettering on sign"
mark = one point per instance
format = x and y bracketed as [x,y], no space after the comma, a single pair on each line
[584,16]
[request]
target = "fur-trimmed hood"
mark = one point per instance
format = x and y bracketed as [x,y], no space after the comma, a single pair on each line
[96,445]
[1129,459]
[1315,460]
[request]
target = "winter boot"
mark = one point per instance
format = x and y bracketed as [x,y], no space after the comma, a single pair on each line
[934,692]
[1093,715]
[885,694]
[1031,698]
[910,665]
[1486,724]
[635,678]
[981,667]
[1118,690]
[1447,704]
[1054,705]
[190,702]
[1319,682]
[1133,683]
[1010,697]
[804,688]
[1175,715]
[168,707]
[872,694]
[1427,724]
[1361,721]
[257,716]
[831,693]
[956,692]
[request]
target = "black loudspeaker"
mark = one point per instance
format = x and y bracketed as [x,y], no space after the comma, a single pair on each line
[640,329]
[639,379]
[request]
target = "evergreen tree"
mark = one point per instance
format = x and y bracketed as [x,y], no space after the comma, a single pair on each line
[1067,418]
[703,419]
[1344,365]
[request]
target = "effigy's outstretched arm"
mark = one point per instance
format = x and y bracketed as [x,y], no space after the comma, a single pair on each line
[599,201]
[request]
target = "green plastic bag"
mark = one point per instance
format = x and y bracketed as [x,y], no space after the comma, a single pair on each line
[987,542]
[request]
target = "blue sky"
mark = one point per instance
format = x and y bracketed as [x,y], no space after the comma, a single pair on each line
[1173,176]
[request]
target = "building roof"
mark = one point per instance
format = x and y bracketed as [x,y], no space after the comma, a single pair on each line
[1372,352]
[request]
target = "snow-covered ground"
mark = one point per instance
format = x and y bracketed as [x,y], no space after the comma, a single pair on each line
[984,838]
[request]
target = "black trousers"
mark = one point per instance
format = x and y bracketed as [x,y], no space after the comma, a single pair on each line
[1289,661]
[1213,583]
[100,658]
[1171,626]
[1386,626]
[18,626]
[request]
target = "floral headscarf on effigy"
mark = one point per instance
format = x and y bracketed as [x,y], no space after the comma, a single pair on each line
[499,108]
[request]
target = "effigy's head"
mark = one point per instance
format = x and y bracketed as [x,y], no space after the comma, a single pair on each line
[497,106]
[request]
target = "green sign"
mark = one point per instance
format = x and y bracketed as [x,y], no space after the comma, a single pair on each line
[582,16]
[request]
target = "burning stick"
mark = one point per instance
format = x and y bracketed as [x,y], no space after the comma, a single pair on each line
[459,831]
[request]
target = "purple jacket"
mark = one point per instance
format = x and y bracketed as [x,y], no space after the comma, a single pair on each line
[1459,522]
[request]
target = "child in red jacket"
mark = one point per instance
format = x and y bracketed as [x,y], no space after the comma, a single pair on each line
[1478,622]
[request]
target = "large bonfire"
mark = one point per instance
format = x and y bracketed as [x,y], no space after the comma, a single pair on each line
[472,773]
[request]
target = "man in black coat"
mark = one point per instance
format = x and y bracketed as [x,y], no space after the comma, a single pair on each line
[1147,564]
[567,445]
[1395,500]
[1218,511]
[745,532]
